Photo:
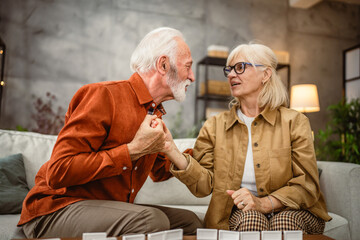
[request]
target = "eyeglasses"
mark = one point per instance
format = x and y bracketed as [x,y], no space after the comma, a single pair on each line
[239,68]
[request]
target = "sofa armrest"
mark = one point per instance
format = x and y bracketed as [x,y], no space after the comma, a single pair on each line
[340,184]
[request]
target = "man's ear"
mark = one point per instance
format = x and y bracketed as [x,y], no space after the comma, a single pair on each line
[162,64]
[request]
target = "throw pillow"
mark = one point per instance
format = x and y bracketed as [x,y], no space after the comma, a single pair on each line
[13,186]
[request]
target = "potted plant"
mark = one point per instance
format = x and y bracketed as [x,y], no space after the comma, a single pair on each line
[340,141]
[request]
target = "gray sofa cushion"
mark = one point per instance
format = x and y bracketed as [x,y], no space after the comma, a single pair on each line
[337,228]
[13,186]
[8,229]
[36,149]
[339,182]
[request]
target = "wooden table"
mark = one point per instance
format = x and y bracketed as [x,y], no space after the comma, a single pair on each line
[305,237]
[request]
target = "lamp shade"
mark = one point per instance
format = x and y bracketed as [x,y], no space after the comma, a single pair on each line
[304,98]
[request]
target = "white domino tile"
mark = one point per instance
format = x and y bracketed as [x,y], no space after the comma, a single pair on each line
[271,235]
[134,237]
[206,234]
[94,236]
[250,235]
[293,235]
[228,235]
[175,234]
[157,236]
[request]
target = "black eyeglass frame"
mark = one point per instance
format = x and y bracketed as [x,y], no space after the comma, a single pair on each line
[227,69]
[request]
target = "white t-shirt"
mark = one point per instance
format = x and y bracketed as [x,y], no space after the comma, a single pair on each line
[248,180]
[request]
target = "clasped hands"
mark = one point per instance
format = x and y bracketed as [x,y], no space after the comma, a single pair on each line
[246,201]
[151,137]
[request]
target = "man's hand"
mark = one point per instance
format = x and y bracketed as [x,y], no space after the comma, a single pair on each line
[150,138]
[170,148]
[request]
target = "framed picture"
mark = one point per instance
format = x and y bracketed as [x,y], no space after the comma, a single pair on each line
[351,72]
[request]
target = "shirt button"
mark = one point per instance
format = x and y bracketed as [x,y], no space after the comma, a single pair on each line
[124,168]
[261,190]
[258,165]
[256,144]
[153,104]
[132,190]
[135,168]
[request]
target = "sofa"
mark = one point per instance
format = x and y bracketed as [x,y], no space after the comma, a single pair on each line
[340,183]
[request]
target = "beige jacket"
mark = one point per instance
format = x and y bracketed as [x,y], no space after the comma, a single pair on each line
[284,162]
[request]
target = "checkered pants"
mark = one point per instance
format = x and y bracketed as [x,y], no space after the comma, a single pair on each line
[282,221]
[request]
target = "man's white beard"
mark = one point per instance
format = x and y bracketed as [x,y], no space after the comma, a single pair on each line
[179,90]
[177,86]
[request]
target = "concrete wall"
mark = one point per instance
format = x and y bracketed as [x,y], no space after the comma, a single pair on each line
[59,45]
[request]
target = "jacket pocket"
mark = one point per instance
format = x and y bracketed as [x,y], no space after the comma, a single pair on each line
[280,167]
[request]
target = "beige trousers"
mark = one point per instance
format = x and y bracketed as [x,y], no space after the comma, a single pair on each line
[113,217]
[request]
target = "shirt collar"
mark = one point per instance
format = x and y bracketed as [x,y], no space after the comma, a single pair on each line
[141,91]
[144,97]
[268,114]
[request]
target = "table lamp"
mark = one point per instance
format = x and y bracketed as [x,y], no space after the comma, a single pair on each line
[304,98]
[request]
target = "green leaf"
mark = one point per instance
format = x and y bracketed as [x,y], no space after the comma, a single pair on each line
[340,140]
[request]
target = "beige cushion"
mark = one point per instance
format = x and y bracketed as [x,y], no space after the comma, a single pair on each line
[36,150]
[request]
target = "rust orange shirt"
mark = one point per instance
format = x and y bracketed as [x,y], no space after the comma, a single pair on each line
[90,159]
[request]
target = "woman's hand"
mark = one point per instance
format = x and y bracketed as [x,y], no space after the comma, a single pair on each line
[246,201]
[169,148]
[169,141]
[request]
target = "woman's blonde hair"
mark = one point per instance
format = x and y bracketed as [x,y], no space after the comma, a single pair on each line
[274,93]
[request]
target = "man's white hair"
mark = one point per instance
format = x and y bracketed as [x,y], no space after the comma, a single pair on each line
[159,42]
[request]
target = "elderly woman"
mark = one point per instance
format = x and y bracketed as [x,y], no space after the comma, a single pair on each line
[257,160]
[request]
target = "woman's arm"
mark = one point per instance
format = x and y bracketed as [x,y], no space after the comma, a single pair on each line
[196,173]
[246,201]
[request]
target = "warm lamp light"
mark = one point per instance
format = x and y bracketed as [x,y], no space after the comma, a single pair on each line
[2,64]
[304,98]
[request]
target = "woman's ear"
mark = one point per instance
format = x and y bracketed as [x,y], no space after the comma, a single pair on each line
[266,75]
[162,64]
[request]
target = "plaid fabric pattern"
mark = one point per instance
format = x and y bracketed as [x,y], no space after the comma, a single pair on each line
[297,220]
[248,221]
[283,221]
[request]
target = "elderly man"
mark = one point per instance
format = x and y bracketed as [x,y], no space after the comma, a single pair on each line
[109,146]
